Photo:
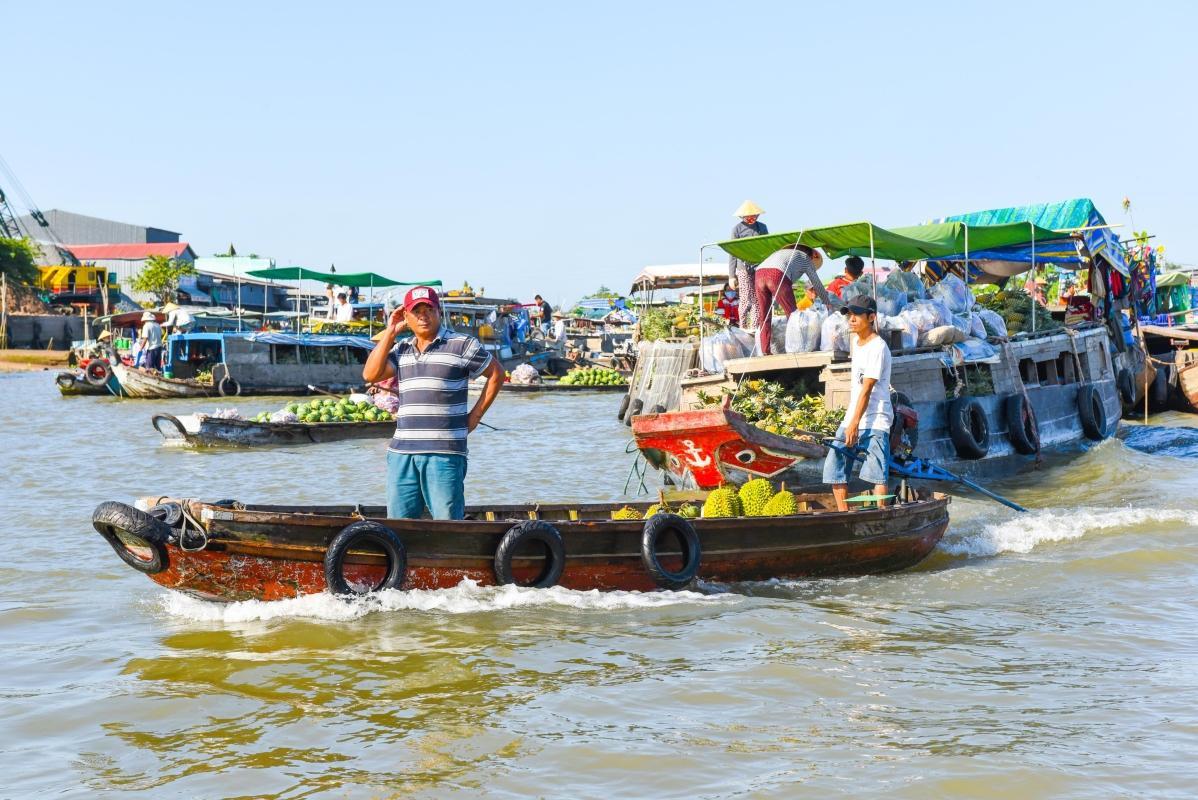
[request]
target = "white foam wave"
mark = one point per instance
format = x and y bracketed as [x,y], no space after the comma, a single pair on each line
[1023,532]
[465,598]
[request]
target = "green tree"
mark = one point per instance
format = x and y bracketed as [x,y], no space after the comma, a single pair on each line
[160,276]
[18,260]
[602,293]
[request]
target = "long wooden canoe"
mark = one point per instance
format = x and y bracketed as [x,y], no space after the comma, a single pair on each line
[203,430]
[232,551]
[137,382]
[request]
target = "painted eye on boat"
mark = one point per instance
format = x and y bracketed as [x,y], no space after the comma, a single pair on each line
[746,456]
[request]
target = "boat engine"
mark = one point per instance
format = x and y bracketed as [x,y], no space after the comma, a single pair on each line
[904,430]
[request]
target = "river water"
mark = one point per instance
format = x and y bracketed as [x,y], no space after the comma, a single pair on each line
[1049,655]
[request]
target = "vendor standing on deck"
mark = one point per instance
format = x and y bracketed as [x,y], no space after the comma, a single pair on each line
[740,273]
[774,284]
[426,460]
[150,340]
[867,422]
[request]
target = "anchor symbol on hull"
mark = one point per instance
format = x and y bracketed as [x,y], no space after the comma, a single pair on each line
[694,455]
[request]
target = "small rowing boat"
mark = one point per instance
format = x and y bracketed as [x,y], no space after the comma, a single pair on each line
[234,551]
[199,430]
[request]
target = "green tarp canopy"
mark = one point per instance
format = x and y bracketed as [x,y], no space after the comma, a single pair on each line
[911,243]
[359,279]
[1169,279]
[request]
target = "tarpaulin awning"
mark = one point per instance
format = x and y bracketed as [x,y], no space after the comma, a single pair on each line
[910,243]
[313,339]
[1067,215]
[678,276]
[358,279]
[1169,279]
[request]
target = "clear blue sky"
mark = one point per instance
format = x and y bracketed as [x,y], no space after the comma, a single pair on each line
[553,147]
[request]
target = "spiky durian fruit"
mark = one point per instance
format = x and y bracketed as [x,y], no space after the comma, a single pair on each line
[783,504]
[689,511]
[754,495]
[627,512]
[723,502]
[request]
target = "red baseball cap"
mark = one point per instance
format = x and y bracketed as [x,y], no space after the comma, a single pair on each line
[421,294]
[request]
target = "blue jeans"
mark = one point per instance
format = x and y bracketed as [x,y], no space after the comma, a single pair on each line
[875,468]
[435,481]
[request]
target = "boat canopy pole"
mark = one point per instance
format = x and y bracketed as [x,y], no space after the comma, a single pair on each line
[873,266]
[1034,271]
[966,224]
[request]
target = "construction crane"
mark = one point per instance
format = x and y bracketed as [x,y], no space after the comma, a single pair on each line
[13,229]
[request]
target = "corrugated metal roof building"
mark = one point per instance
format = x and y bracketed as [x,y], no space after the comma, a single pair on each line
[127,260]
[73,228]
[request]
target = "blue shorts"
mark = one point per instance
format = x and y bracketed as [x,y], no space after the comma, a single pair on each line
[875,468]
[416,481]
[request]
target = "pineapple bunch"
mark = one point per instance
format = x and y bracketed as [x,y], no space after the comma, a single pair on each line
[772,407]
[1015,307]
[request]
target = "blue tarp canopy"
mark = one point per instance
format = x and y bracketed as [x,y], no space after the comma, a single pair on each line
[312,339]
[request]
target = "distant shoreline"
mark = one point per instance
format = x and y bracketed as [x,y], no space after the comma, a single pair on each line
[32,360]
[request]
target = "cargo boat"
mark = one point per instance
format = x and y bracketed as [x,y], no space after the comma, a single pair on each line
[232,551]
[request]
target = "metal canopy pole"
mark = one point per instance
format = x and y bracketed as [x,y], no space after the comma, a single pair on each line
[873,266]
[1032,225]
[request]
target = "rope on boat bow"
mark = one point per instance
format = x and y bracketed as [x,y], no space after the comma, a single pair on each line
[639,468]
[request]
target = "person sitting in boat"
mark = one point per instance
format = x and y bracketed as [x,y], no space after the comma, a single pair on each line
[741,273]
[150,340]
[867,422]
[426,460]
[774,283]
[729,305]
[854,268]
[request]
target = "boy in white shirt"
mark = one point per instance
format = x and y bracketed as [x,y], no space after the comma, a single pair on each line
[867,421]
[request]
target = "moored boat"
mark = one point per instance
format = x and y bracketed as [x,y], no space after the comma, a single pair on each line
[197,430]
[75,382]
[138,382]
[232,551]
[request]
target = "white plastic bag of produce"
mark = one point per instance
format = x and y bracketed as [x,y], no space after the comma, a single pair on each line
[862,286]
[908,283]
[778,334]
[977,328]
[910,336]
[803,330]
[727,344]
[526,374]
[891,302]
[285,416]
[953,292]
[834,333]
[994,323]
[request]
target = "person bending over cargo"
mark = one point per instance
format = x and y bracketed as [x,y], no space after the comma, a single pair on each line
[426,460]
[774,283]
[867,421]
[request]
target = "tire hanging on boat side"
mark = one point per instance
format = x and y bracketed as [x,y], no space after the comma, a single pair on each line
[98,372]
[1092,412]
[65,379]
[356,534]
[117,523]
[1022,426]
[659,525]
[969,428]
[1126,385]
[228,386]
[527,532]
[624,405]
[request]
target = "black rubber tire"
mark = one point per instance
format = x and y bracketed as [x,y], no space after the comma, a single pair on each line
[356,533]
[1022,427]
[98,372]
[969,428]
[1126,385]
[65,379]
[658,409]
[533,530]
[692,551]
[624,406]
[228,386]
[170,514]
[111,518]
[157,419]
[1092,412]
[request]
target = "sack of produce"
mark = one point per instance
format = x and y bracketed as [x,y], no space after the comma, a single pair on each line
[924,315]
[284,416]
[953,292]
[908,283]
[862,287]
[977,328]
[223,413]
[891,302]
[910,336]
[834,333]
[803,330]
[728,344]
[993,322]
[525,375]
[778,335]
[944,334]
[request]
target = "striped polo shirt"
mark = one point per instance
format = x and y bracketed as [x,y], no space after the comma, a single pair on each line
[432,392]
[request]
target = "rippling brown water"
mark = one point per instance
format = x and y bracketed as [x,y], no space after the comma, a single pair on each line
[1048,655]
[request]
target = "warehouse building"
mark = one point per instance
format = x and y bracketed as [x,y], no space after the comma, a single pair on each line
[71,228]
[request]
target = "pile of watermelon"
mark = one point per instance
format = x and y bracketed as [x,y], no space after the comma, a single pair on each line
[328,409]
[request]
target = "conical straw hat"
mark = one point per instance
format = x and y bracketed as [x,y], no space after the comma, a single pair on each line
[748,209]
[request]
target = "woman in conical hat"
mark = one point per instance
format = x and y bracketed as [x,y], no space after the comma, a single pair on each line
[740,273]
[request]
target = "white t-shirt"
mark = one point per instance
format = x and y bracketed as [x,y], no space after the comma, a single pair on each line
[559,329]
[872,360]
[344,312]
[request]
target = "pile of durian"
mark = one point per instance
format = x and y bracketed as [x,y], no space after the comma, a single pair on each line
[756,498]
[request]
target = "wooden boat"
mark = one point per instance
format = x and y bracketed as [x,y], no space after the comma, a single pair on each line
[1187,381]
[137,382]
[204,430]
[74,383]
[232,551]
[1175,351]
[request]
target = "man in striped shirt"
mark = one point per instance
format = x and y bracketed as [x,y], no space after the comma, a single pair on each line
[426,461]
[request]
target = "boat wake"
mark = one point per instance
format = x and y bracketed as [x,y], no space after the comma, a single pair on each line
[1021,533]
[1161,440]
[465,598]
